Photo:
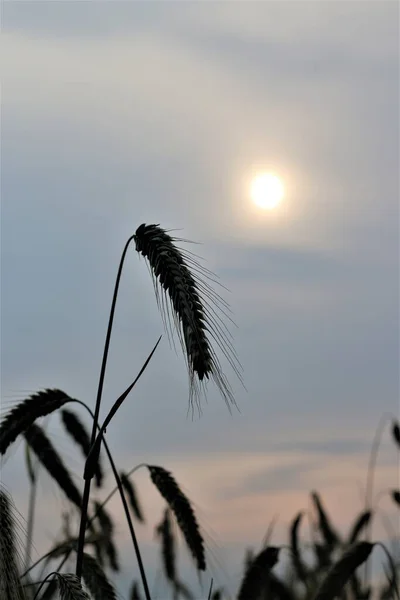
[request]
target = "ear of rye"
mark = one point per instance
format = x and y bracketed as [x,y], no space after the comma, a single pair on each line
[361,523]
[50,459]
[130,489]
[193,307]
[257,575]
[182,509]
[20,418]
[342,570]
[96,581]
[81,437]
[10,588]
[70,587]
[168,551]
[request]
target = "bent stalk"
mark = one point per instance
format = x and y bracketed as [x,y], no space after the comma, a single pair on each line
[86,492]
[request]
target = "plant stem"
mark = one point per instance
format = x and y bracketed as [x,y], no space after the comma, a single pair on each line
[110,495]
[118,487]
[126,509]
[42,584]
[86,493]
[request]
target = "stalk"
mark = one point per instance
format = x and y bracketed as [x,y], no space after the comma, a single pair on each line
[86,492]
[119,488]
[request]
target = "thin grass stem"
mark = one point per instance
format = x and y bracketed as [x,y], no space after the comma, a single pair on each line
[86,493]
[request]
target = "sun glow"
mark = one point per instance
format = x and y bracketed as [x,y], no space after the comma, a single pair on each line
[267,190]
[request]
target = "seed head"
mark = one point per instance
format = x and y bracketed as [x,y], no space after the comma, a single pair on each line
[195,309]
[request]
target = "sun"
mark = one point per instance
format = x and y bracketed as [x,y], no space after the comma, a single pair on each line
[267,190]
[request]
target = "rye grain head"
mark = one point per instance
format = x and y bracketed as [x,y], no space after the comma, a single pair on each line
[187,300]
[105,520]
[111,552]
[183,512]
[341,572]
[107,546]
[70,587]
[10,588]
[96,580]
[51,460]
[168,547]
[22,416]
[130,489]
[78,432]
[360,524]
[256,576]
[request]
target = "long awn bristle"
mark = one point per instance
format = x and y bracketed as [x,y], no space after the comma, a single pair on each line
[10,588]
[22,416]
[50,459]
[130,489]
[96,581]
[188,301]
[70,587]
[257,575]
[168,551]
[342,570]
[360,524]
[183,511]
[81,437]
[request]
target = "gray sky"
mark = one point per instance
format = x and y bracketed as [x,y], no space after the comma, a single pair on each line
[117,113]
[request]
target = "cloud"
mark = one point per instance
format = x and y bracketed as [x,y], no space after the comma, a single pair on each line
[202,122]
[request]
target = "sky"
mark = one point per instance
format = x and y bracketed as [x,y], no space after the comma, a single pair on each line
[118,113]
